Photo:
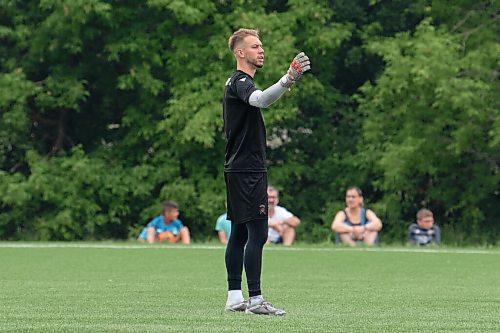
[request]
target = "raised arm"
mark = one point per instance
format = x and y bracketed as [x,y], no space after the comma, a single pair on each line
[263,99]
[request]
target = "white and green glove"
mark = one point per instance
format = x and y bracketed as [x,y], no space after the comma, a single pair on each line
[299,65]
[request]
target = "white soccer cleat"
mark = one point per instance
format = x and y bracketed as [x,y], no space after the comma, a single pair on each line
[264,308]
[237,307]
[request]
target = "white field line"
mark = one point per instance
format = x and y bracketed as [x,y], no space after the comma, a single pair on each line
[21,245]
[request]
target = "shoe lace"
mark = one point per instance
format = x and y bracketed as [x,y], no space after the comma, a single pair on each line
[269,306]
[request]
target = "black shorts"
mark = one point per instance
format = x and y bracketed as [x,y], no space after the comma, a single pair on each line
[246,196]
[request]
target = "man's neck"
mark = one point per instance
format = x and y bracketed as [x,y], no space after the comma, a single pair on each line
[247,68]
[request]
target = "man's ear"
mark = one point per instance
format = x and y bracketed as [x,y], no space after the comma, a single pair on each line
[239,53]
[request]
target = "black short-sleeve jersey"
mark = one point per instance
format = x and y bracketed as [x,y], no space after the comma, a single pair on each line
[244,127]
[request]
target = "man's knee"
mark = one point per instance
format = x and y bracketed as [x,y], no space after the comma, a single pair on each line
[288,236]
[185,236]
[259,232]
[261,238]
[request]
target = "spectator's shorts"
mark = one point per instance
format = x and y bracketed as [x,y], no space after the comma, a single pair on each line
[278,240]
[246,196]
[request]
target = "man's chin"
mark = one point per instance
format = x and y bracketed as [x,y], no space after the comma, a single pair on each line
[259,63]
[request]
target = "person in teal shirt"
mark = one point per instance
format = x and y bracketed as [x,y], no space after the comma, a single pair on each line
[166,227]
[223,228]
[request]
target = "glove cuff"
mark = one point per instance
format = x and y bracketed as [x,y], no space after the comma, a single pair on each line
[286,81]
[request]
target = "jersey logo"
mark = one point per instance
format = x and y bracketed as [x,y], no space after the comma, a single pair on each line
[243,79]
[228,82]
[262,210]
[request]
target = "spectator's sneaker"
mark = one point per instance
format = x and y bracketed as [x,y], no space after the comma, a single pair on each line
[241,306]
[264,308]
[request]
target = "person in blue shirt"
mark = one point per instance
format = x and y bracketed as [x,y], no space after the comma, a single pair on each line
[223,228]
[166,227]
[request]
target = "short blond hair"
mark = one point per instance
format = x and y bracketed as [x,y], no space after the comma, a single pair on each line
[423,213]
[238,36]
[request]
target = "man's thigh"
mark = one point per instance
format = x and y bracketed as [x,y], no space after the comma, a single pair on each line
[246,196]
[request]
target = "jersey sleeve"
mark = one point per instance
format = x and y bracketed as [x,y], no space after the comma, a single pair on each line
[218,224]
[179,224]
[284,213]
[244,87]
[153,223]
[411,234]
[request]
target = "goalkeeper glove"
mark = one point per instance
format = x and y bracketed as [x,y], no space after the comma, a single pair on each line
[299,65]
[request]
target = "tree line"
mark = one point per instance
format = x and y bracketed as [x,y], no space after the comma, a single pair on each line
[110,107]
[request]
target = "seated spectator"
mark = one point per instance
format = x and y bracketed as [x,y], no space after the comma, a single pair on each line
[223,228]
[424,232]
[281,222]
[166,227]
[355,223]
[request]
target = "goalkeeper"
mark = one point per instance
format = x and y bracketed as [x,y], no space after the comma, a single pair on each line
[245,170]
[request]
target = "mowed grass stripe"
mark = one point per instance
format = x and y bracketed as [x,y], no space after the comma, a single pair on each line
[137,289]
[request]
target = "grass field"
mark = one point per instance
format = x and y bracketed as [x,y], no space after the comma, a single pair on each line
[124,287]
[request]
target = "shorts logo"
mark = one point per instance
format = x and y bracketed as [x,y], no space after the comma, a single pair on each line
[262,209]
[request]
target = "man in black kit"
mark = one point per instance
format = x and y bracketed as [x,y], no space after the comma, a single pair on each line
[245,170]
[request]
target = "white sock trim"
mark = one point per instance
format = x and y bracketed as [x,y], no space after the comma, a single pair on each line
[235,296]
[256,299]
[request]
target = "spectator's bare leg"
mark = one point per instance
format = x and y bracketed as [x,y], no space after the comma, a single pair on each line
[370,237]
[185,236]
[346,239]
[288,235]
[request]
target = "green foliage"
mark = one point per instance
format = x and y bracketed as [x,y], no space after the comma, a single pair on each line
[14,126]
[428,128]
[110,107]
[70,197]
